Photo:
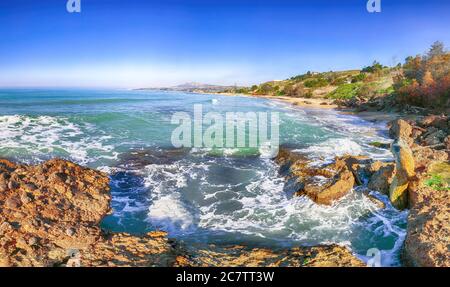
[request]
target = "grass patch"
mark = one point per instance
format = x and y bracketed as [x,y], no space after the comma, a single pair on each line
[439,177]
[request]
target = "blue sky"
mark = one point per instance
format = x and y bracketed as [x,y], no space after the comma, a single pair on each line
[133,43]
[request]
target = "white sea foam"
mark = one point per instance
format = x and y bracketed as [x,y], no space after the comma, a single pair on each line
[333,148]
[168,213]
[39,137]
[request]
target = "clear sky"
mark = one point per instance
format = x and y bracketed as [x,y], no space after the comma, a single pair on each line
[117,43]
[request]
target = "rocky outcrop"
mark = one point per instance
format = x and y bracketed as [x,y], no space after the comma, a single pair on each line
[404,172]
[325,184]
[318,256]
[428,232]
[50,215]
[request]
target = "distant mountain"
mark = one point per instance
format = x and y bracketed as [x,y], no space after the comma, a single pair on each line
[194,87]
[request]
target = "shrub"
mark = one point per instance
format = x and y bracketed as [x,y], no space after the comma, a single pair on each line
[359,78]
[425,80]
[316,83]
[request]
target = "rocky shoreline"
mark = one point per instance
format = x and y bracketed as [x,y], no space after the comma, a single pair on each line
[50,213]
[421,150]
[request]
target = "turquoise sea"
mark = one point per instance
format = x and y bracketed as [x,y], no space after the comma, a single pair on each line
[200,195]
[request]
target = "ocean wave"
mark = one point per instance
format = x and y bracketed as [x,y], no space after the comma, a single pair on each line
[41,137]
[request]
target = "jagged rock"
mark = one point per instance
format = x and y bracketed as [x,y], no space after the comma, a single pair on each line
[425,156]
[331,190]
[323,185]
[433,137]
[357,165]
[405,170]
[382,176]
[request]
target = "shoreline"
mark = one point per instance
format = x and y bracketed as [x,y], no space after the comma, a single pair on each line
[324,104]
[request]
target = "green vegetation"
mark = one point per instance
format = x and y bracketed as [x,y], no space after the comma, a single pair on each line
[316,83]
[376,67]
[439,176]
[437,183]
[345,91]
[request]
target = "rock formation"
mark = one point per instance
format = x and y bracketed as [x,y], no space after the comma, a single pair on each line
[323,185]
[404,172]
[50,215]
[428,232]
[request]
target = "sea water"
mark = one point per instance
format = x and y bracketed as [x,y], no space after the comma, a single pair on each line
[198,195]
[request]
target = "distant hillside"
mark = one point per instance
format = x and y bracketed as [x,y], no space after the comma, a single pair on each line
[373,80]
[194,87]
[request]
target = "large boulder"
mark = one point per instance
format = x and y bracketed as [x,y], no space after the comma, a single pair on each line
[330,189]
[405,170]
[324,184]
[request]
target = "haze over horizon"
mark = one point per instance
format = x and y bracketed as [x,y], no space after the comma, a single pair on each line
[136,44]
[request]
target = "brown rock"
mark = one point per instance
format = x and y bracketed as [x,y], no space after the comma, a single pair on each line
[447,142]
[428,232]
[239,256]
[438,121]
[357,165]
[12,203]
[335,185]
[401,129]
[13,185]
[25,198]
[382,177]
